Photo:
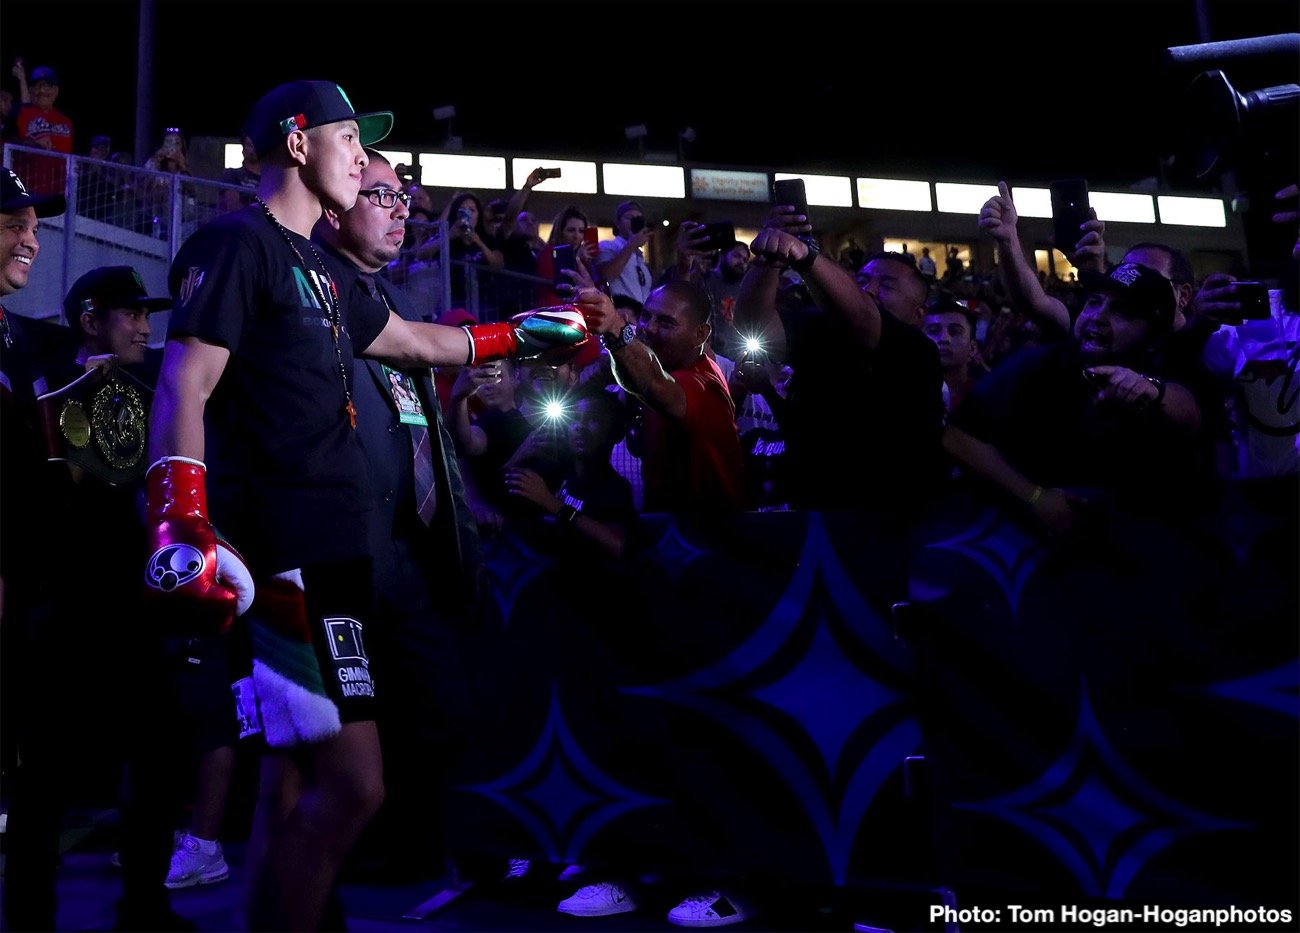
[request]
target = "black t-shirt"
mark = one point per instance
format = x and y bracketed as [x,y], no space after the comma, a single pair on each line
[26,537]
[287,481]
[863,426]
[602,494]
[1040,413]
[505,431]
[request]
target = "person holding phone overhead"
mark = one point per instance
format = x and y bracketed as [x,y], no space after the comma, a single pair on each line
[620,261]
[569,228]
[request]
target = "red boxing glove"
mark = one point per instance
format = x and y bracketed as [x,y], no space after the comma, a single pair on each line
[188,561]
[529,334]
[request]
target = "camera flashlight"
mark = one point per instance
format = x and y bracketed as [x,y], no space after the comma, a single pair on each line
[554,410]
[753,345]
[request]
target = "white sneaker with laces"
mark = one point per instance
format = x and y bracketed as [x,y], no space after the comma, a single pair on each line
[714,909]
[598,900]
[196,861]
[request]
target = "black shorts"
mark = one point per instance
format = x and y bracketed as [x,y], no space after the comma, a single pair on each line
[311,672]
[201,681]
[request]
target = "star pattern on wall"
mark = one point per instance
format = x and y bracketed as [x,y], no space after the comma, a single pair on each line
[559,794]
[674,553]
[1277,689]
[1002,549]
[513,565]
[797,667]
[1096,814]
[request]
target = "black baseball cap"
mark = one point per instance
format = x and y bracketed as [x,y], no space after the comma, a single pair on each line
[1141,290]
[14,196]
[300,105]
[110,287]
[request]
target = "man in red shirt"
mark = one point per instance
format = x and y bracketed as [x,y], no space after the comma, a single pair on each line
[692,456]
[41,126]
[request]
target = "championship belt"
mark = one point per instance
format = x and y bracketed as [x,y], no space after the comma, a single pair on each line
[100,422]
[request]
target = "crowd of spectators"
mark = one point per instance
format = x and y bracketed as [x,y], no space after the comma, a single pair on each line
[786,373]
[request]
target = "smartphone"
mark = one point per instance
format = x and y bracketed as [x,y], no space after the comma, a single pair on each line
[551,173]
[636,224]
[591,236]
[719,235]
[1069,212]
[564,258]
[465,216]
[791,191]
[1253,297]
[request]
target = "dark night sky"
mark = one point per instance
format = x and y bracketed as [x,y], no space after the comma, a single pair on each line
[982,90]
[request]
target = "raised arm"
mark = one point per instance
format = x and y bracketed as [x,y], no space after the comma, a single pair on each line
[611,267]
[998,218]
[520,197]
[19,71]
[636,368]
[832,286]
[417,343]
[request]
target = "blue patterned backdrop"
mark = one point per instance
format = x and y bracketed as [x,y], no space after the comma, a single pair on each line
[1116,718]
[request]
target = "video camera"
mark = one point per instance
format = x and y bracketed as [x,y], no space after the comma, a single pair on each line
[1221,128]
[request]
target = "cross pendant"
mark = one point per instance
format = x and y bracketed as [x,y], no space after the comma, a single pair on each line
[352,414]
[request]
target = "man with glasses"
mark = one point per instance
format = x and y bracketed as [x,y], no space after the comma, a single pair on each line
[422,537]
[256,393]
[620,261]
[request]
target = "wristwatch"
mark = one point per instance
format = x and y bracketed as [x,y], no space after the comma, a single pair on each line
[803,265]
[620,340]
[1160,390]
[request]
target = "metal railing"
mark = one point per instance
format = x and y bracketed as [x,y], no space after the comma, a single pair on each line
[121,214]
[118,214]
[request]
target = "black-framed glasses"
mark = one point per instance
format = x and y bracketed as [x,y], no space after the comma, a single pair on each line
[386,197]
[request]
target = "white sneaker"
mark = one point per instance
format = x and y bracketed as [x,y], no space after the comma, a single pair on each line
[196,861]
[714,909]
[598,900]
[572,873]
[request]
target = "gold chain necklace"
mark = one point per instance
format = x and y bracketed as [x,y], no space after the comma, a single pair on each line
[333,309]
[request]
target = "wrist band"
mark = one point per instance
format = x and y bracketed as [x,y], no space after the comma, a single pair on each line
[1035,495]
[1160,388]
[804,264]
[567,514]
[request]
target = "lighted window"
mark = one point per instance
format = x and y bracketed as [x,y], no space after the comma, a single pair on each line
[824,190]
[1124,208]
[445,170]
[1054,262]
[644,181]
[893,194]
[1192,212]
[396,158]
[955,198]
[1032,202]
[575,177]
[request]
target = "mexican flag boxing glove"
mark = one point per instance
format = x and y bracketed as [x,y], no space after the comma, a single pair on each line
[189,563]
[559,328]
